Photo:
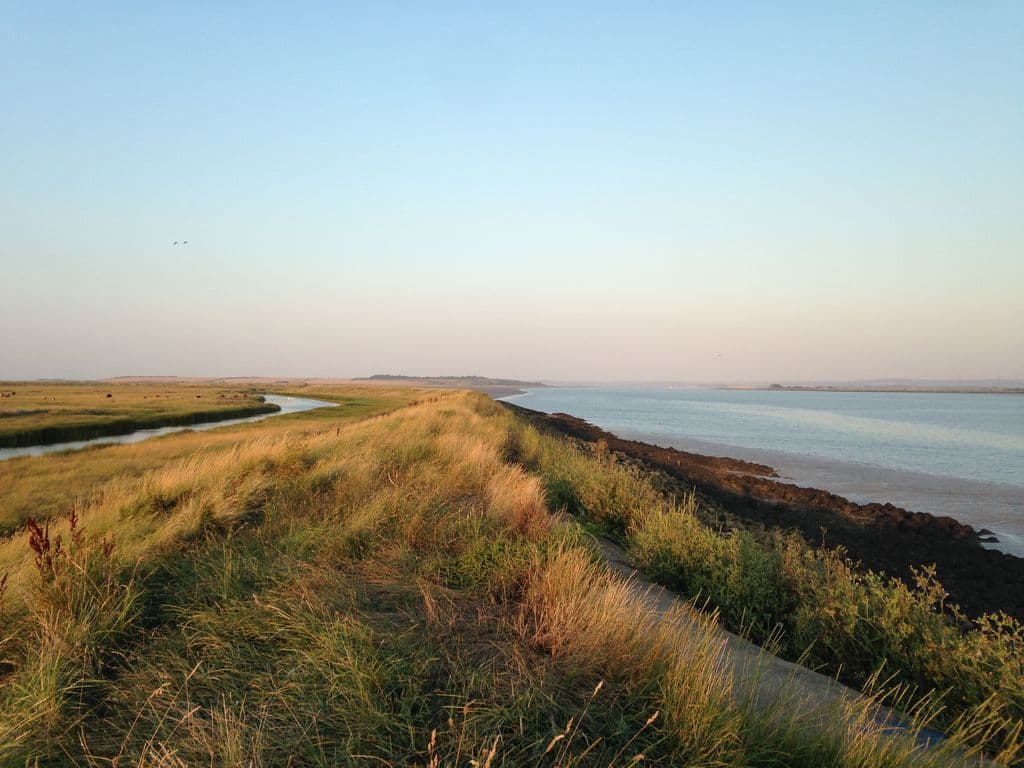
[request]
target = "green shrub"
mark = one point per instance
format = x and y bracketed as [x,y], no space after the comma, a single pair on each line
[733,573]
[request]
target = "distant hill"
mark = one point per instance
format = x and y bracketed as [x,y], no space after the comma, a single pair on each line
[497,387]
[450,380]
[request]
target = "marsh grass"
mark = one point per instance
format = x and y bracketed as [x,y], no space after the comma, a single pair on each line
[390,591]
[36,413]
[45,487]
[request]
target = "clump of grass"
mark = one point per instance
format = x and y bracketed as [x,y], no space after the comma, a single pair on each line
[733,571]
[80,608]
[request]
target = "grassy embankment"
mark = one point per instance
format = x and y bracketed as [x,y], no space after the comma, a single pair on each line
[392,591]
[45,413]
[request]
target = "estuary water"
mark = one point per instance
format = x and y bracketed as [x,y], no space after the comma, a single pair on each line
[960,455]
[287,404]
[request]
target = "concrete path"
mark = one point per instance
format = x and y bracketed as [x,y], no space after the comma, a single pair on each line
[772,683]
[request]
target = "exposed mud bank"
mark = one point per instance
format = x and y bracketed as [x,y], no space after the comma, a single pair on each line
[883,537]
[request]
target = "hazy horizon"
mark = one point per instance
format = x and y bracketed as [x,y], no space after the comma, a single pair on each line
[592,192]
[605,382]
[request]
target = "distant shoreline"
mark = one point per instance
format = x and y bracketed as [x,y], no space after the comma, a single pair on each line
[883,389]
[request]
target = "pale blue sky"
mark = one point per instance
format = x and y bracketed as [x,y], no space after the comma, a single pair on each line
[690,191]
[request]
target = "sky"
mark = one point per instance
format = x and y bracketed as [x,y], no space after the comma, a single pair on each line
[686,191]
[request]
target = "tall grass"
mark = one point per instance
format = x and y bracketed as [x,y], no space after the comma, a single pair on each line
[392,591]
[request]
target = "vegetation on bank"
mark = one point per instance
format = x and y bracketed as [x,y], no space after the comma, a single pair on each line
[394,590]
[42,414]
[806,604]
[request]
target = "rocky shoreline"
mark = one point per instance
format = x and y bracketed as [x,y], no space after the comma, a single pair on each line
[883,537]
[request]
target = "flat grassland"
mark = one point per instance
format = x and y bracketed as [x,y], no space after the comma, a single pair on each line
[33,413]
[45,487]
[408,579]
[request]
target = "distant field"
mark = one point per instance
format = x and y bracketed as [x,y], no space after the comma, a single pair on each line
[45,487]
[41,414]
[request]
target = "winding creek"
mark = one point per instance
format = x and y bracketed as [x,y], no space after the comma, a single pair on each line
[286,403]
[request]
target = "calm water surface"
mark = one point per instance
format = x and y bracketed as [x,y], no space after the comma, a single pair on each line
[288,405]
[957,455]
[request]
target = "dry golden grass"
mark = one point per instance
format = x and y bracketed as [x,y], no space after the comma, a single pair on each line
[48,486]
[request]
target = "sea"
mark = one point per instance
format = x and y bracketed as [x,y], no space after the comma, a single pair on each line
[960,455]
